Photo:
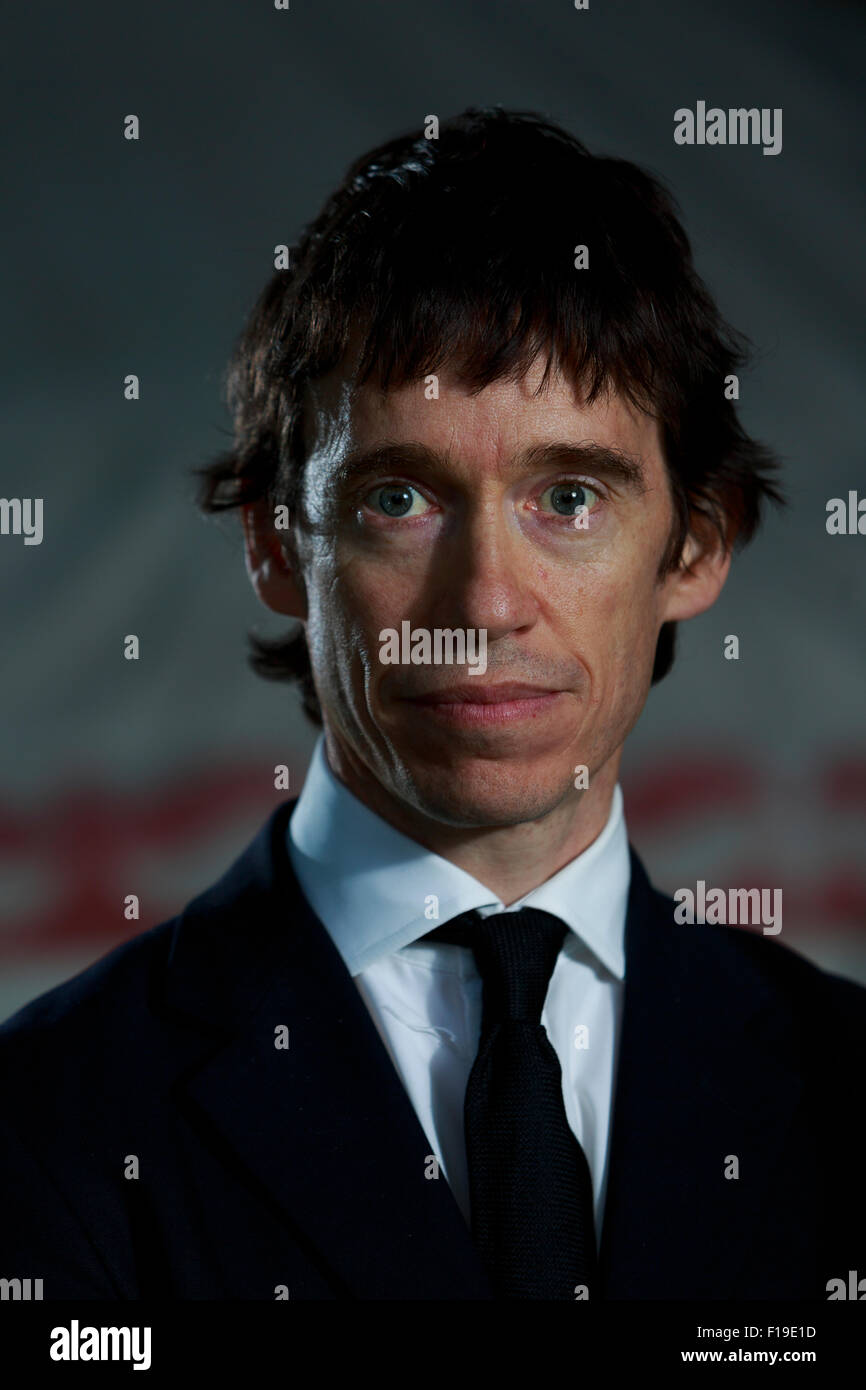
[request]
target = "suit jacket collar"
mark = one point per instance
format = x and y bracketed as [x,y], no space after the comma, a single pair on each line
[701,1076]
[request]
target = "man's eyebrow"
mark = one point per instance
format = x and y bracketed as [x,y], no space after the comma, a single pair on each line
[607,460]
[391,456]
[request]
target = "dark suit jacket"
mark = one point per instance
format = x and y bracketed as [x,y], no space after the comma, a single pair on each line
[305,1167]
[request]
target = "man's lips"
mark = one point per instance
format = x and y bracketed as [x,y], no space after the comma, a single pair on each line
[487,706]
[476,694]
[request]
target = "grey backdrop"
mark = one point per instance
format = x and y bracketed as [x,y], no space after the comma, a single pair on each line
[144,257]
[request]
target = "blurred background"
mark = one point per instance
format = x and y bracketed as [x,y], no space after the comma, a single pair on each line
[149,777]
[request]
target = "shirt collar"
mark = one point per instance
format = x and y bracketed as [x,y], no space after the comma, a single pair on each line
[372,886]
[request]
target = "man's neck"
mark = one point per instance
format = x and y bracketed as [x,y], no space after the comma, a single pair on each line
[509,860]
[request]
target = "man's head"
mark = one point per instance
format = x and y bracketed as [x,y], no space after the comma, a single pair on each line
[473,424]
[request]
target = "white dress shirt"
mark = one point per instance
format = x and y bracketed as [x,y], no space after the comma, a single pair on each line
[375,891]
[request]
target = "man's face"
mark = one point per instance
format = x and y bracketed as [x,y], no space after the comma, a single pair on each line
[468,522]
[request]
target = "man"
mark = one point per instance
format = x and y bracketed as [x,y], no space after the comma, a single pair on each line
[435,1035]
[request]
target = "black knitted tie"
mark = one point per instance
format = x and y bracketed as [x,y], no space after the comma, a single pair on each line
[529,1181]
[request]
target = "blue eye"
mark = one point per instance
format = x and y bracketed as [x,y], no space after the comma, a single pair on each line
[569,498]
[396,499]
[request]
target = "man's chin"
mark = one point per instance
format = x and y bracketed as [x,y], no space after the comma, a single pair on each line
[487,793]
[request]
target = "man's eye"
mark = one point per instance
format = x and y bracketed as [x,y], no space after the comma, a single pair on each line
[397,500]
[569,498]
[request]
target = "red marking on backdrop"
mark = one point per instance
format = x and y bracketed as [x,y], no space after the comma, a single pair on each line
[84,843]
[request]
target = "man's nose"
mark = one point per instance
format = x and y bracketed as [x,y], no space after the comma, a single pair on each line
[488,578]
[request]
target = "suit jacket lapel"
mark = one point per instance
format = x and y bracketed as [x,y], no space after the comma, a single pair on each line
[702,1076]
[325,1125]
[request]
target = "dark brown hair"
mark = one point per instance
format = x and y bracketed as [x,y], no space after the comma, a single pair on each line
[460,251]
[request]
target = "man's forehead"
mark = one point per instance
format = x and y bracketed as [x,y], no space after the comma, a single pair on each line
[447,417]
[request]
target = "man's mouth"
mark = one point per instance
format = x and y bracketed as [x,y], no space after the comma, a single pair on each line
[473,703]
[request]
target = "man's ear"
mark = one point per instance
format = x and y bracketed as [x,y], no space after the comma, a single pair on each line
[273,574]
[696,583]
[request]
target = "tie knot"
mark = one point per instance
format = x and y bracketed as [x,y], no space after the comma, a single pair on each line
[515,953]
